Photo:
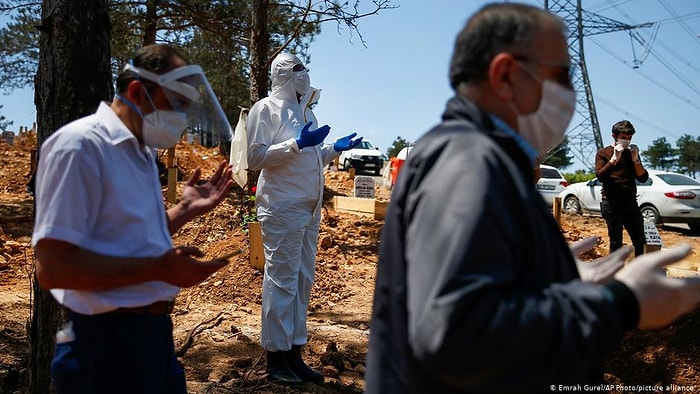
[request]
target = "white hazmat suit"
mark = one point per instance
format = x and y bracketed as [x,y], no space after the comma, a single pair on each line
[288,199]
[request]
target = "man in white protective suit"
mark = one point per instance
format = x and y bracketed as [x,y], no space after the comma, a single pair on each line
[285,142]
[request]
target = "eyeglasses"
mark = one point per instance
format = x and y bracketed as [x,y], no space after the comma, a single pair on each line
[565,77]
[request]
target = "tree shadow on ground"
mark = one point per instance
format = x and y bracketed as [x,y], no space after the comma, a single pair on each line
[649,357]
[237,365]
[15,217]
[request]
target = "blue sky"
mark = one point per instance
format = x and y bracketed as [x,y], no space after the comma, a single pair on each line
[397,85]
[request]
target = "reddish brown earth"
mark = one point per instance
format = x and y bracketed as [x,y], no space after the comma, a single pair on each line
[217,322]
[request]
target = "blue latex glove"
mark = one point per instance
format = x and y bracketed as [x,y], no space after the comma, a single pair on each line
[346,143]
[314,137]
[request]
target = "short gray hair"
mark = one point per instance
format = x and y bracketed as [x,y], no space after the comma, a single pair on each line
[495,28]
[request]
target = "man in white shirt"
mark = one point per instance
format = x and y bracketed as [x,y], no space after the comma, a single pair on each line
[102,237]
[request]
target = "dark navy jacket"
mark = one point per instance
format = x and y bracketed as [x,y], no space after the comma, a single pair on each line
[476,289]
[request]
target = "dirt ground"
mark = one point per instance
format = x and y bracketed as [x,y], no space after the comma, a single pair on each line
[217,323]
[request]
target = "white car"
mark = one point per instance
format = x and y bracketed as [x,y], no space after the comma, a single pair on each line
[363,157]
[666,197]
[551,183]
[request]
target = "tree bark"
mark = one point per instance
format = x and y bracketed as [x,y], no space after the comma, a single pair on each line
[74,62]
[149,34]
[73,77]
[259,50]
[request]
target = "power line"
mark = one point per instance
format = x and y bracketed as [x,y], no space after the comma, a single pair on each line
[679,18]
[674,18]
[675,72]
[679,57]
[638,36]
[645,75]
[607,5]
[680,21]
[636,117]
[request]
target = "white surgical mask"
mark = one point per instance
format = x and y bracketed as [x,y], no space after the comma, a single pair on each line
[302,81]
[545,128]
[162,129]
[625,143]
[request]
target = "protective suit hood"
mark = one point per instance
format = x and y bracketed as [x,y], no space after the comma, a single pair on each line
[283,76]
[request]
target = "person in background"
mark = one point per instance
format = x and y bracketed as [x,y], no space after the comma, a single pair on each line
[102,238]
[619,167]
[477,289]
[285,142]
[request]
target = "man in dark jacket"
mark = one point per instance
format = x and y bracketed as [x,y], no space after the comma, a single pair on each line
[477,289]
[619,167]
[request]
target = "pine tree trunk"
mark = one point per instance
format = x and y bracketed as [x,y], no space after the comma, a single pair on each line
[74,76]
[259,50]
[149,34]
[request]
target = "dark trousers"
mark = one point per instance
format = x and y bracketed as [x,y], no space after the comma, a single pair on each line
[627,215]
[118,353]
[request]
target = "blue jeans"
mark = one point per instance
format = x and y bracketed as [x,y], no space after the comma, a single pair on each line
[118,353]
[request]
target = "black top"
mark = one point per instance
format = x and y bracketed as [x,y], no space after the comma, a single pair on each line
[618,179]
[476,289]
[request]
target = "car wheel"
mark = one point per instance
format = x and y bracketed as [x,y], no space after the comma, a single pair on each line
[694,227]
[651,214]
[572,205]
[346,165]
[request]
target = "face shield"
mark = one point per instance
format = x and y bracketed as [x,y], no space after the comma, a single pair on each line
[187,90]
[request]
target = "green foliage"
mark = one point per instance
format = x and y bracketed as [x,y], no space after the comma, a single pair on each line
[559,155]
[578,176]
[4,123]
[689,155]
[19,44]
[660,155]
[213,35]
[396,146]
[250,214]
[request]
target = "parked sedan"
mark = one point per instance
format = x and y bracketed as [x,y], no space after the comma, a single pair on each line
[666,197]
[551,183]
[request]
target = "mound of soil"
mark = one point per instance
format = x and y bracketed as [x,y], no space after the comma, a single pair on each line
[217,322]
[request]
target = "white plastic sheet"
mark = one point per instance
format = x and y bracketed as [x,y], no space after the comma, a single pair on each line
[239,150]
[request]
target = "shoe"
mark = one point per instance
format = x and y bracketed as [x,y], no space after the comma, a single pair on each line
[278,370]
[300,368]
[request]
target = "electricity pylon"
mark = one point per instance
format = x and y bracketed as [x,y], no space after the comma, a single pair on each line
[584,138]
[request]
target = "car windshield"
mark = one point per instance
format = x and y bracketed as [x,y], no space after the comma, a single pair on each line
[365,145]
[678,179]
